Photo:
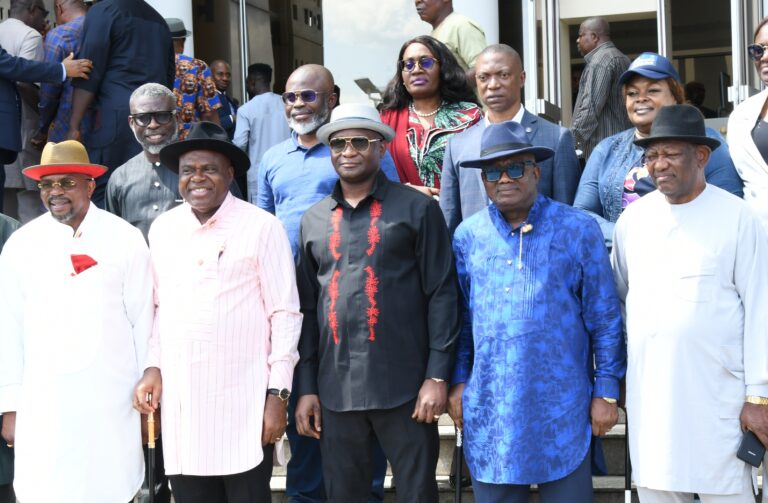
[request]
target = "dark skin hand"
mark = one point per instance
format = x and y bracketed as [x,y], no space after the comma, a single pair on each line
[9,427]
[753,418]
[431,402]
[275,420]
[454,405]
[604,416]
[151,385]
[77,68]
[308,407]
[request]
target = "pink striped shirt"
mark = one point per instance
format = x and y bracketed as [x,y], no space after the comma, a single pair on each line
[227,328]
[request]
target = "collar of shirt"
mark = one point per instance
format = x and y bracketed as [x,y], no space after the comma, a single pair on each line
[220,213]
[294,145]
[85,225]
[378,191]
[505,228]
[588,57]
[517,118]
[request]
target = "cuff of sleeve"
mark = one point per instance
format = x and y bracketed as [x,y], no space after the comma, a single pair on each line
[280,375]
[607,387]
[757,390]
[306,380]
[439,365]
[460,374]
[9,397]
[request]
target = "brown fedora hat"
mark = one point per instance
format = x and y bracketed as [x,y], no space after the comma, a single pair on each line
[205,136]
[64,158]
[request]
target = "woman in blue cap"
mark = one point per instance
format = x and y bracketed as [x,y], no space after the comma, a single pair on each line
[615,174]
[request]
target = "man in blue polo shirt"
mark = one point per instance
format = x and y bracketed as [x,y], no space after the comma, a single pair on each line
[294,175]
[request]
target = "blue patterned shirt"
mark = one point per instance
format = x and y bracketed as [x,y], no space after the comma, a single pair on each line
[533,316]
[56,99]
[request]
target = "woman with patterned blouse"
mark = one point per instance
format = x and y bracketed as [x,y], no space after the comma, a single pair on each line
[428,100]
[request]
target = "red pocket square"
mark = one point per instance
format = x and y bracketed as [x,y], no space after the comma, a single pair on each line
[82,262]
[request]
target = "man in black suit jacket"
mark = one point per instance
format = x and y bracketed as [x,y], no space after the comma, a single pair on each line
[19,69]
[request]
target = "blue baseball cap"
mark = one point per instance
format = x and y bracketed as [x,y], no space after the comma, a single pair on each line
[652,66]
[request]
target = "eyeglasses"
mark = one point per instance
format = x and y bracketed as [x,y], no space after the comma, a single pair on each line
[359,143]
[424,62]
[756,51]
[514,170]
[65,183]
[306,95]
[162,117]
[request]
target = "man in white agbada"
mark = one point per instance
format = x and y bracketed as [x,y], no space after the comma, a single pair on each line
[691,263]
[77,310]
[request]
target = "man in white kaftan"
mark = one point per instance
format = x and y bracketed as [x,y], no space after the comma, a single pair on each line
[77,310]
[691,263]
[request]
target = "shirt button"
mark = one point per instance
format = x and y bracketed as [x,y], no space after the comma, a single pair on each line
[155,207]
[506,289]
[157,184]
[200,262]
[509,262]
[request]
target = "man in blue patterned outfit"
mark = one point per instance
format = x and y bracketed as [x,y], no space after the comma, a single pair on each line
[537,291]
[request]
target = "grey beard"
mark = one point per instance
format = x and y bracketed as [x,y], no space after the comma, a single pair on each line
[155,149]
[303,128]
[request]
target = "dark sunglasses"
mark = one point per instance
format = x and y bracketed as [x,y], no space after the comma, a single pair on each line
[145,119]
[64,184]
[306,95]
[756,51]
[424,62]
[359,143]
[514,170]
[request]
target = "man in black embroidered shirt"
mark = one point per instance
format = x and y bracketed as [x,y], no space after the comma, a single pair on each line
[379,293]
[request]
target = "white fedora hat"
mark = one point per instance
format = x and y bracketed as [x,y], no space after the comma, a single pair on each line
[354,116]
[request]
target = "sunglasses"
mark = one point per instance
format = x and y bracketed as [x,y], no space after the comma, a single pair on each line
[424,62]
[306,95]
[163,117]
[514,170]
[756,51]
[359,143]
[65,183]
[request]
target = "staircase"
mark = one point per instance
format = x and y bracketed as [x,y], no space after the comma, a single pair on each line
[608,488]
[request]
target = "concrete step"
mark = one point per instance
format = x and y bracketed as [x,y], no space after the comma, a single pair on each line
[607,490]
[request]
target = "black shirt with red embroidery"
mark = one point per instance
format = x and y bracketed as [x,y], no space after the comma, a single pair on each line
[379,295]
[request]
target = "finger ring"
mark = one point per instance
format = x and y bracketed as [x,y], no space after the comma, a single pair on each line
[10,445]
[437,417]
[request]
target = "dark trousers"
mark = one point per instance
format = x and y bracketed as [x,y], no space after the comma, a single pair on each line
[6,493]
[347,442]
[575,487]
[304,480]
[247,487]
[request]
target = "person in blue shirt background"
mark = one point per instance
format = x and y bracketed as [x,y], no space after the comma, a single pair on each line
[538,298]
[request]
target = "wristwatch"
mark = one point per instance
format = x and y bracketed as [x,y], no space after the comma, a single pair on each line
[611,401]
[757,400]
[282,394]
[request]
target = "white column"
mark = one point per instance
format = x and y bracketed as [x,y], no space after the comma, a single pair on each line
[181,9]
[485,12]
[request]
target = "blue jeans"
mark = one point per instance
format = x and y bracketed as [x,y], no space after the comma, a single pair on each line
[304,482]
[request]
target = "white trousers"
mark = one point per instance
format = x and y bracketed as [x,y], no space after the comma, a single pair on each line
[654,496]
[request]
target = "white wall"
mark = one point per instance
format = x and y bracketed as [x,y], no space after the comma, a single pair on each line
[181,9]
[579,9]
[485,12]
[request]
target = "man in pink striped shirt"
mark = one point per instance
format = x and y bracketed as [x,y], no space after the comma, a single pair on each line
[226,332]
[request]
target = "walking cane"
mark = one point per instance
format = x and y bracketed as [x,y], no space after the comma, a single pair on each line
[457,466]
[151,454]
[627,466]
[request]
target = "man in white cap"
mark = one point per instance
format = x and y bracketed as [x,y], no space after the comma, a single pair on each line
[372,254]
[77,311]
